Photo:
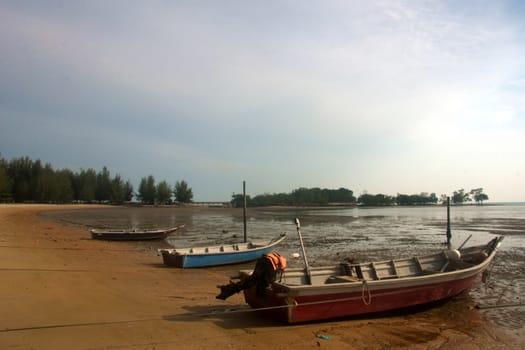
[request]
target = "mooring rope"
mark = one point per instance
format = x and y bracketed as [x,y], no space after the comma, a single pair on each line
[291,303]
[294,303]
[482,307]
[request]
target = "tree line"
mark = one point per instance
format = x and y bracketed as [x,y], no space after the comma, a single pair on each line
[343,196]
[163,192]
[299,197]
[458,197]
[25,180]
[476,194]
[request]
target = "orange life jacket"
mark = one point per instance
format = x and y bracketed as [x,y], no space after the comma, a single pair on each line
[278,261]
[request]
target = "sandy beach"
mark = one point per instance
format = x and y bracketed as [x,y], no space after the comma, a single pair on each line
[62,290]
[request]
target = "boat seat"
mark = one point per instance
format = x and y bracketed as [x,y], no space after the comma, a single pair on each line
[341,279]
[388,277]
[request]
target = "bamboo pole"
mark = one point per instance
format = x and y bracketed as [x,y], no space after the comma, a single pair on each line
[449,232]
[244,210]
[306,266]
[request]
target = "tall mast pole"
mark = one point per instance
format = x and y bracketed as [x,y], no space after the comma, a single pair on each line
[244,209]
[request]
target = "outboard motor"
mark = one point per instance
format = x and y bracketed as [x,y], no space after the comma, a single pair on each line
[266,271]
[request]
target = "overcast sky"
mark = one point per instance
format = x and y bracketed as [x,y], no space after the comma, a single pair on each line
[377,96]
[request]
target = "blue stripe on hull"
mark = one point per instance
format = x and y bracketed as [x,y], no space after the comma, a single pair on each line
[202,260]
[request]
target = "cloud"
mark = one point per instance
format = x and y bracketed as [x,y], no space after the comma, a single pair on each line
[341,94]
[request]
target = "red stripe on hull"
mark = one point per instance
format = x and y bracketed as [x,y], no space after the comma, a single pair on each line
[328,306]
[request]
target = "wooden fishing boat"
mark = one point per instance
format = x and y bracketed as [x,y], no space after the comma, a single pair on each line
[319,293]
[133,235]
[219,254]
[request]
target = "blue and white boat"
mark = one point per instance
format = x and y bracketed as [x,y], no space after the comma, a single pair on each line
[219,254]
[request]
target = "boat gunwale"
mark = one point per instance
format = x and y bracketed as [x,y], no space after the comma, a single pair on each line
[290,290]
[134,232]
[270,243]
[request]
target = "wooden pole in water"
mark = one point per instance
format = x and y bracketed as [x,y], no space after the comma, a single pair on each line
[449,232]
[244,209]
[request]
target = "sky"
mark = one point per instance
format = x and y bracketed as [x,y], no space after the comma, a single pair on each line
[374,96]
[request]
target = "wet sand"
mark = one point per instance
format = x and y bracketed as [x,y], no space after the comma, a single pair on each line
[62,290]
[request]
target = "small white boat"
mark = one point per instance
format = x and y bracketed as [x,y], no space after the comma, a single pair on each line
[133,235]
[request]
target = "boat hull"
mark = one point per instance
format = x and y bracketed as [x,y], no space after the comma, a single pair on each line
[215,256]
[358,300]
[189,261]
[120,235]
[128,236]
[349,290]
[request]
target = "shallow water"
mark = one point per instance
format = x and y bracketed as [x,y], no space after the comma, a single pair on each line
[331,235]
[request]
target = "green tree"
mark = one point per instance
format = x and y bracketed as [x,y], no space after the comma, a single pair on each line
[40,180]
[341,195]
[117,190]
[19,171]
[237,200]
[367,199]
[183,193]
[163,193]
[416,199]
[147,190]
[103,188]
[478,195]
[5,182]
[298,197]
[85,185]
[33,182]
[459,197]
[64,190]
[48,185]
[128,191]
[309,196]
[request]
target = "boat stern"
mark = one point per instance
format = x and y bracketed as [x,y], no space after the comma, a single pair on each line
[171,259]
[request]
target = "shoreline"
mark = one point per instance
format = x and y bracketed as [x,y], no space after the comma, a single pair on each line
[62,290]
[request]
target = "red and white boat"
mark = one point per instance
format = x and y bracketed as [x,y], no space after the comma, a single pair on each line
[320,293]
